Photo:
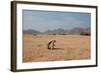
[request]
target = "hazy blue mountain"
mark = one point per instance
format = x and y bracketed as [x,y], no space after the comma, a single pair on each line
[31,31]
[56,31]
[76,31]
[88,30]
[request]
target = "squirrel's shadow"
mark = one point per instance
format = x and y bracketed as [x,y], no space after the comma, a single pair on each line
[56,49]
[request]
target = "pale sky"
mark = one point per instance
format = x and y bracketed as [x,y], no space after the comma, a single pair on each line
[50,20]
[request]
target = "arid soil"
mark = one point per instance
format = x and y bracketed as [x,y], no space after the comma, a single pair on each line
[68,47]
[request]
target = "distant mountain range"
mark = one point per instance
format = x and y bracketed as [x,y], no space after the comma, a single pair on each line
[31,31]
[59,31]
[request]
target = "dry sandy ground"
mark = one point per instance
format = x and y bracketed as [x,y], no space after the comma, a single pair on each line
[68,47]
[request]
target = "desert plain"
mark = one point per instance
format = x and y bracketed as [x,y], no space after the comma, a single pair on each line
[68,47]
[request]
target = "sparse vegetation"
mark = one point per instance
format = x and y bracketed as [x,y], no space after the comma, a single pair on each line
[85,33]
[63,34]
[34,34]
